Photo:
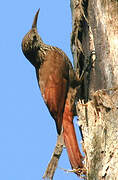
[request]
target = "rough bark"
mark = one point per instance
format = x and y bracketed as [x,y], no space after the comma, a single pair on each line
[95,28]
[52,165]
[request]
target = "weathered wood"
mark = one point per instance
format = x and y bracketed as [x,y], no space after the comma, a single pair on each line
[49,173]
[95,28]
[99,123]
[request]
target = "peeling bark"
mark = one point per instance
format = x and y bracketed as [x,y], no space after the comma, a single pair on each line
[100,133]
[95,28]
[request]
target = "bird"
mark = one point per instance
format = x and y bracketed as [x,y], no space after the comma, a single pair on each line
[57,82]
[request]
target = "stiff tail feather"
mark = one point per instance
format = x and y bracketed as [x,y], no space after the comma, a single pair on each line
[70,139]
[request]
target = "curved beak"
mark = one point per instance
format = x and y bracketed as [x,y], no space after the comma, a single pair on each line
[34,25]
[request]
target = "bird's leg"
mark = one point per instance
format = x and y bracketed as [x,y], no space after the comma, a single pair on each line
[91,61]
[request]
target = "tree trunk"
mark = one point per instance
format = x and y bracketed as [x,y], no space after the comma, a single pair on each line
[95,28]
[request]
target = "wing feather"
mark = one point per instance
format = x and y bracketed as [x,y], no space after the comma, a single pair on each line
[55,96]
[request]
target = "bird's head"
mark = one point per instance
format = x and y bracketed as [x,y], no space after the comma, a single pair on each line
[31,42]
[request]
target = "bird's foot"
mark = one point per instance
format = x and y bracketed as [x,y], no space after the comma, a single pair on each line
[79,171]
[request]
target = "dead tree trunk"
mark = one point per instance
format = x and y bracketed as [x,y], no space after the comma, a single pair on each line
[95,28]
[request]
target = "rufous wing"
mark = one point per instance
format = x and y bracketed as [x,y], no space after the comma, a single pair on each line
[55,96]
[53,79]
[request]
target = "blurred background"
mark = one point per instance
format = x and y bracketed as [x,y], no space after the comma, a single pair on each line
[27,131]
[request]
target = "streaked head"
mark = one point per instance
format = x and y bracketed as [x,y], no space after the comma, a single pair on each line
[31,41]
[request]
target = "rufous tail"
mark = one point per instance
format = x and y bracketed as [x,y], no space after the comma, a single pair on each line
[70,139]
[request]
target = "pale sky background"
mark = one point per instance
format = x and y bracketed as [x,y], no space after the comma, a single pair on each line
[27,131]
